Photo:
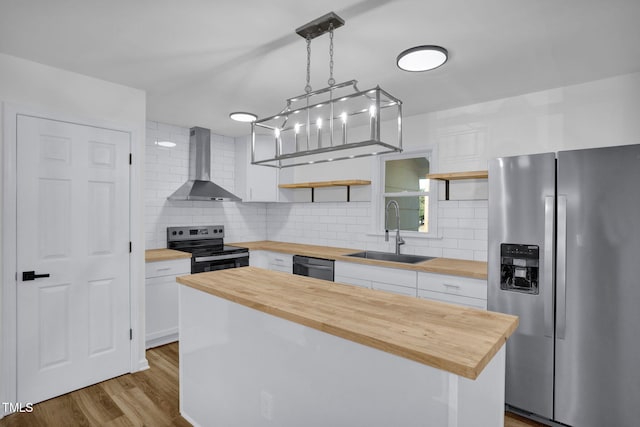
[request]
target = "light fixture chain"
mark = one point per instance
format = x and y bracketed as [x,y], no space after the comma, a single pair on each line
[307,88]
[331,80]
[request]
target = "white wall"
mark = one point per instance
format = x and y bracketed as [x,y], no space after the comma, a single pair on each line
[71,96]
[168,168]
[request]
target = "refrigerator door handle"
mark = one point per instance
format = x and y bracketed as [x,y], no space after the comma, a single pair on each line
[549,212]
[561,268]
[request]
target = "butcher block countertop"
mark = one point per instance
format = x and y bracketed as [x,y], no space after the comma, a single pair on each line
[456,267]
[152,255]
[452,338]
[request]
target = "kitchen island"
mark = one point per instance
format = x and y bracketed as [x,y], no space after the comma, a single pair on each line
[261,347]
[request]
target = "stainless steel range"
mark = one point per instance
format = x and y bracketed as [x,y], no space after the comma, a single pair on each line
[206,244]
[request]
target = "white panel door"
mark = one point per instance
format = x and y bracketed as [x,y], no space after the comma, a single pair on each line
[73,224]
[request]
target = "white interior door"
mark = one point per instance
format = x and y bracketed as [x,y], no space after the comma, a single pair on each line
[73,224]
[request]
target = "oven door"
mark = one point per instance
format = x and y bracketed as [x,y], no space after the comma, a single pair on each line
[219,262]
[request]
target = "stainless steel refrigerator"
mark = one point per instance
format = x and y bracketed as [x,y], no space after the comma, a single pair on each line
[564,256]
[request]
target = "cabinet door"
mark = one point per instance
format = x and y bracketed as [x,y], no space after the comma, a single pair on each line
[255,183]
[161,300]
[453,289]
[453,299]
[352,281]
[258,259]
[161,313]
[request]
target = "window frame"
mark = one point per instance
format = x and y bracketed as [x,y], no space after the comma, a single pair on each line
[378,193]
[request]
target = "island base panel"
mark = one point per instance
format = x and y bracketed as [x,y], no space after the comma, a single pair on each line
[240,367]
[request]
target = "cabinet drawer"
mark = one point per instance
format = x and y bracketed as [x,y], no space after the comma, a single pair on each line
[402,290]
[168,268]
[453,299]
[453,285]
[281,260]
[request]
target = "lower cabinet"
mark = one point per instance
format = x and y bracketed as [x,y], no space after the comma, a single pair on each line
[453,289]
[373,277]
[258,259]
[271,260]
[439,287]
[280,262]
[161,300]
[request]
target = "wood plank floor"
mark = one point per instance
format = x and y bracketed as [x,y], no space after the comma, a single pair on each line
[147,398]
[513,420]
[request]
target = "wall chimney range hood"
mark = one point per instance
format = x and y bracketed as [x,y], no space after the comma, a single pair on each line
[199,185]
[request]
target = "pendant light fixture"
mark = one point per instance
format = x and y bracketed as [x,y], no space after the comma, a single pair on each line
[336,122]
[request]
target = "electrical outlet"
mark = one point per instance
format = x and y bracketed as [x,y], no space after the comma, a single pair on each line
[266,405]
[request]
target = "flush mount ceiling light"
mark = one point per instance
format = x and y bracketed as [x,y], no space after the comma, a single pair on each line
[422,58]
[338,118]
[241,116]
[165,144]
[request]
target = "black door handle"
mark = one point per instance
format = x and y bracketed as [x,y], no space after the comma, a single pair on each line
[31,275]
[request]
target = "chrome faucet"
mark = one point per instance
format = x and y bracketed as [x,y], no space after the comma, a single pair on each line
[399,240]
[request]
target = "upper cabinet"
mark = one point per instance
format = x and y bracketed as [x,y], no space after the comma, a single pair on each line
[254,183]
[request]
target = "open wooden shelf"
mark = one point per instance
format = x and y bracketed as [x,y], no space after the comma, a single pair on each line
[323,184]
[319,184]
[455,176]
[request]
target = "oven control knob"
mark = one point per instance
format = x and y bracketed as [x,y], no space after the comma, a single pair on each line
[174,232]
[180,232]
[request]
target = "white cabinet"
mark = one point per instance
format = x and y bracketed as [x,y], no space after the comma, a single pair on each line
[258,259]
[382,278]
[161,300]
[280,262]
[271,260]
[453,289]
[439,287]
[255,183]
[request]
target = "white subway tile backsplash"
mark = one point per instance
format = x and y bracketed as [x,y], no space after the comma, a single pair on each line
[458,233]
[461,233]
[168,168]
[458,253]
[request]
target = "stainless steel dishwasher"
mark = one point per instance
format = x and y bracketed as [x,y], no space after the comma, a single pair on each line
[318,268]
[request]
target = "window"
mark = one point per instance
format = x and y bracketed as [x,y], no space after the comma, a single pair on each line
[403,179]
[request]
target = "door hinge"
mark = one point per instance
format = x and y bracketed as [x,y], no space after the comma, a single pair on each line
[130,158]
[130,247]
[130,334]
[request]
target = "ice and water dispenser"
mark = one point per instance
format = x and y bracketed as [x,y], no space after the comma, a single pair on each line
[519,269]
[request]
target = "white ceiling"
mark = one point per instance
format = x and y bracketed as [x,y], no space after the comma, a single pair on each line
[198,60]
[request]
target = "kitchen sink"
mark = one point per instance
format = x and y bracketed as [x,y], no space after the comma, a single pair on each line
[388,256]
